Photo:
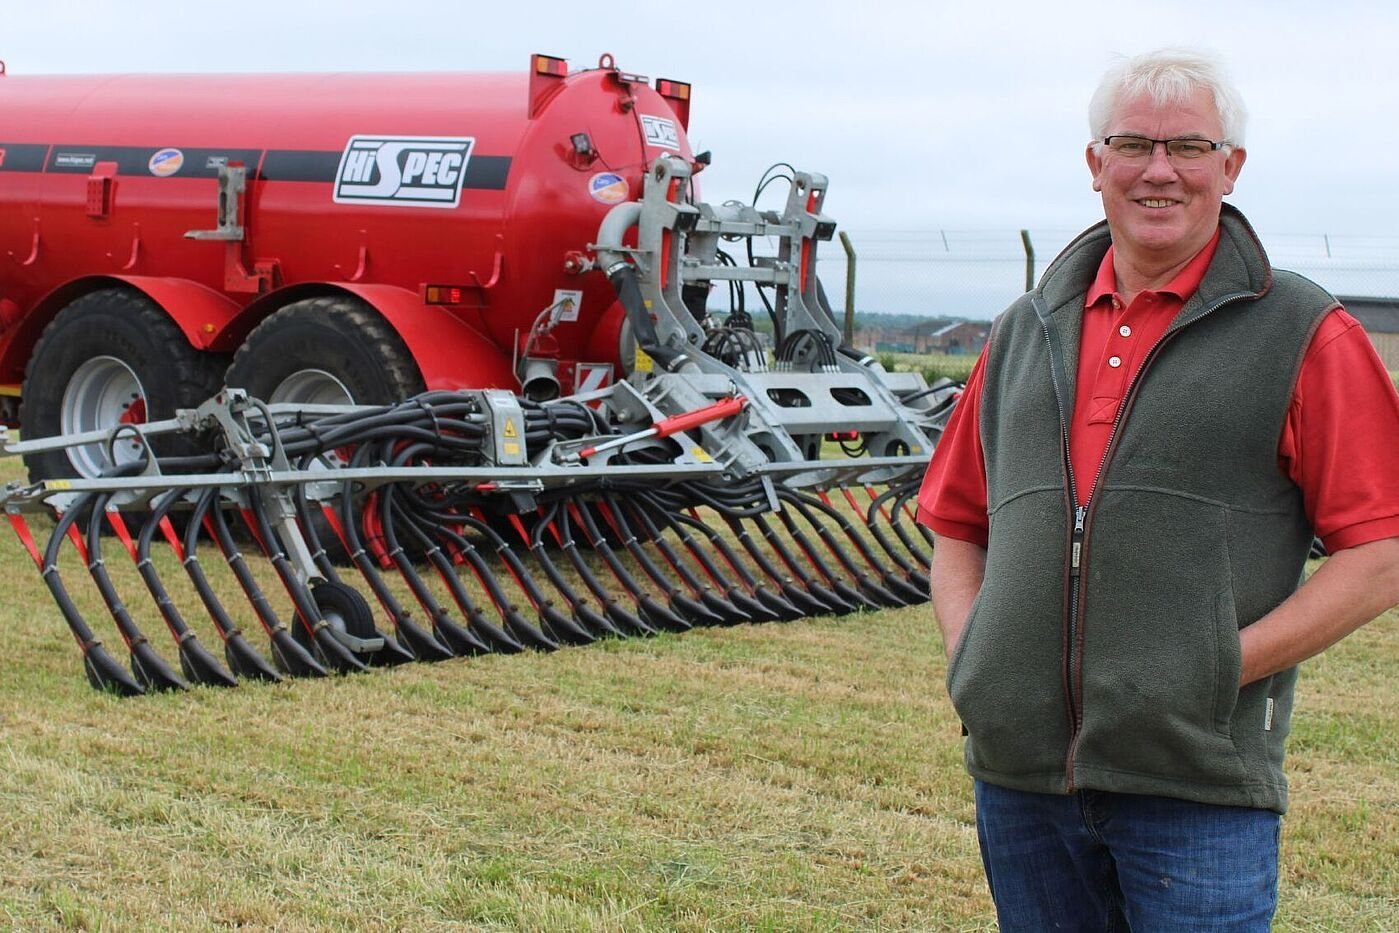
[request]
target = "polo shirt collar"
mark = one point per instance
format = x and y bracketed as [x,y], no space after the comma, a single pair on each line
[1185,283]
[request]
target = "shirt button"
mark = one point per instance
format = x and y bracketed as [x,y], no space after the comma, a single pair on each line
[1125,331]
[1114,361]
[1116,303]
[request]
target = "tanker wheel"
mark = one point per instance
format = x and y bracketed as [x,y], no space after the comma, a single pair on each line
[331,350]
[326,351]
[111,357]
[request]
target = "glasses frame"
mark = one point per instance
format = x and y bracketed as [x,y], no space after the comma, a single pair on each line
[1165,144]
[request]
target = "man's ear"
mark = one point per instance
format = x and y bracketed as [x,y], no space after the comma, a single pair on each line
[1233,164]
[1095,165]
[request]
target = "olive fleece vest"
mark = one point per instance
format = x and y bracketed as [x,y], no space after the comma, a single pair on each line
[1103,650]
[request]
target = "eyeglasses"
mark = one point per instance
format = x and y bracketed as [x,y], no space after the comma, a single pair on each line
[1140,147]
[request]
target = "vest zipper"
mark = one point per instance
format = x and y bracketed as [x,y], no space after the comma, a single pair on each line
[1079,514]
[1078,537]
[1073,659]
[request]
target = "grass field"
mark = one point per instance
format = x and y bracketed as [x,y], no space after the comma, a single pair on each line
[799,776]
[956,367]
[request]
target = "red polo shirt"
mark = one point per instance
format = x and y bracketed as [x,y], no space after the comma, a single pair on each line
[1339,442]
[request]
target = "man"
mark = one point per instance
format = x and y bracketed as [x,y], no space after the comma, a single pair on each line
[1123,504]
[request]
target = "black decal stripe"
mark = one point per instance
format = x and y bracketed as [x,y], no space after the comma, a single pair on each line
[487,173]
[300,165]
[483,172]
[80,160]
[23,157]
[135,160]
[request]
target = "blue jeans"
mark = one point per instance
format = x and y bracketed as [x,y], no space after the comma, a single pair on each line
[1094,860]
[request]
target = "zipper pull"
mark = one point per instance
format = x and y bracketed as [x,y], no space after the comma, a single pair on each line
[1080,513]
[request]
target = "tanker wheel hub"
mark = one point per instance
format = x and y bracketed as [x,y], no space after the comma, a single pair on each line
[312,387]
[103,392]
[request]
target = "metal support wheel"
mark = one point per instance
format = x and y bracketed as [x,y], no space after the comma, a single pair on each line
[350,619]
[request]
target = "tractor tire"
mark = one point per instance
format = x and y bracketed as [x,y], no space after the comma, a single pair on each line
[325,351]
[331,350]
[109,357]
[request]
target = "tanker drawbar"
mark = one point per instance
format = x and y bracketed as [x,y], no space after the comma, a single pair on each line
[714,474]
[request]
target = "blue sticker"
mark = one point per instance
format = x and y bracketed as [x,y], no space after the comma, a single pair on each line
[608,187]
[166,162]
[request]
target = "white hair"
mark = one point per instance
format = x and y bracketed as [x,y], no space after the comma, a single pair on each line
[1168,76]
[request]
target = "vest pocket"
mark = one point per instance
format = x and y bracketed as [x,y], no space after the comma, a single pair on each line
[1007,689]
[1005,678]
[960,649]
[1160,665]
[1229,653]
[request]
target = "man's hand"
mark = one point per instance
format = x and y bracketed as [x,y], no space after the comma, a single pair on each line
[1348,590]
[956,575]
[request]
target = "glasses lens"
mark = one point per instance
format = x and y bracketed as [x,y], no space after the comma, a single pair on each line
[1133,147]
[1188,148]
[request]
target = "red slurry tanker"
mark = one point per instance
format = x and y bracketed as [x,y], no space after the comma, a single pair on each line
[393,232]
[462,317]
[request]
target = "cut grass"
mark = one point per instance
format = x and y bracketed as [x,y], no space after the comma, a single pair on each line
[801,776]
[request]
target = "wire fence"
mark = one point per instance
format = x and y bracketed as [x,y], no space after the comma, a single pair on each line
[975,274]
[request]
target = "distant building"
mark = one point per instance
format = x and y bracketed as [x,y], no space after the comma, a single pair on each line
[961,337]
[882,338]
[1380,317]
[927,336]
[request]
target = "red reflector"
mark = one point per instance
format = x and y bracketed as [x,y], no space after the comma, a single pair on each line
[843,436]
[442,294]
[676,89]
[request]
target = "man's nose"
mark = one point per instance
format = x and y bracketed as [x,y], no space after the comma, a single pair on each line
[1159,164]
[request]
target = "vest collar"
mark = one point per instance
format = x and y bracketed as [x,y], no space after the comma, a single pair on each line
[1240,269]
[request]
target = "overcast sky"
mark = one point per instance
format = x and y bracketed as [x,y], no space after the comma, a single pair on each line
[925,116]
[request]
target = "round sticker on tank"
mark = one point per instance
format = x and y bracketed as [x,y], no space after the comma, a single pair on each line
[608,187]
[166,162]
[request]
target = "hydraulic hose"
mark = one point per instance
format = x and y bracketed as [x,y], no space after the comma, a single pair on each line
[622,274]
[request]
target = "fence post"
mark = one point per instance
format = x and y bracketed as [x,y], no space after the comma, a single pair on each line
[848,337]
[1029,259]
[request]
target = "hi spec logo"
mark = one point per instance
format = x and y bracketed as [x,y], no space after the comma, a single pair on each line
[407,171]
[660,132]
